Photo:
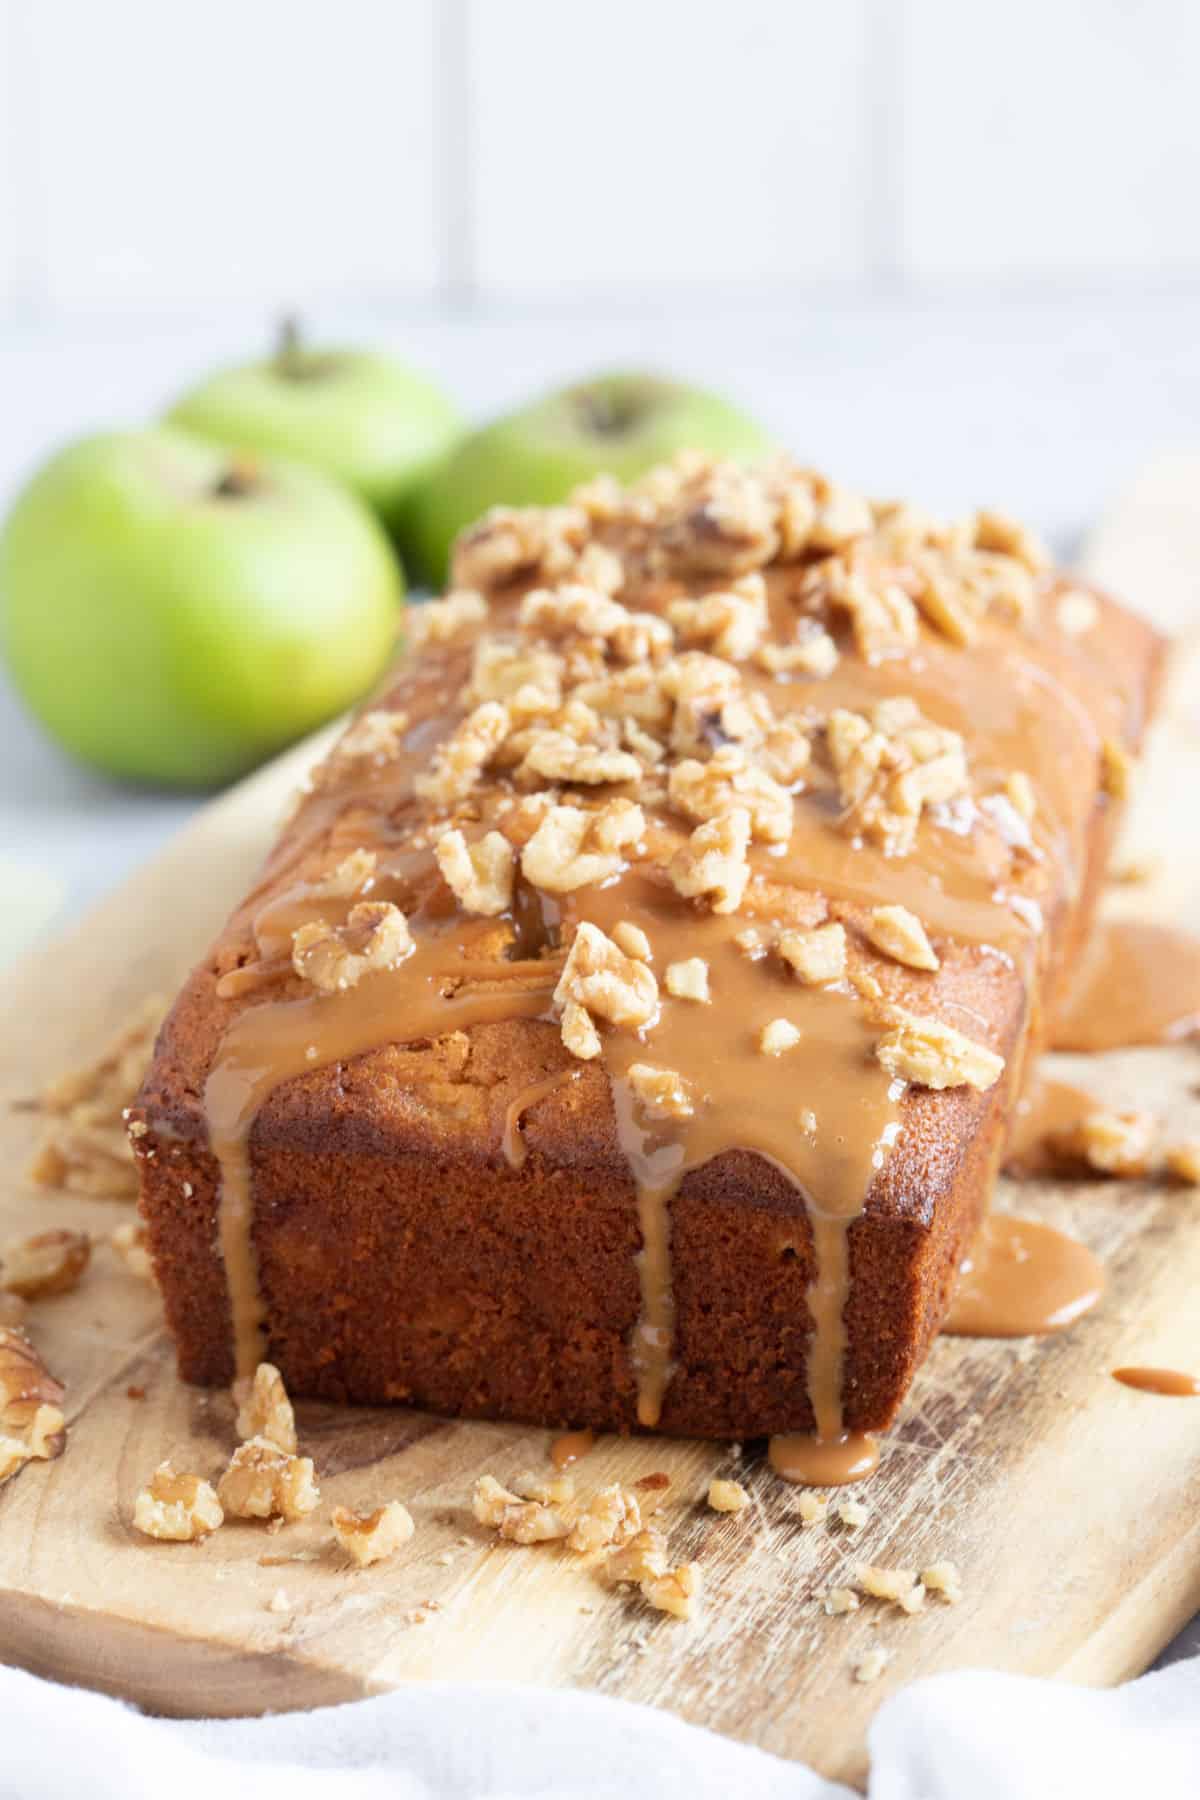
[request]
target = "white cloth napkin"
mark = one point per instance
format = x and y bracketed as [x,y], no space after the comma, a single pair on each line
[969,1736]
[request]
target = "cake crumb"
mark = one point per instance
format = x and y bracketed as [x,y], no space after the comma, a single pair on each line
[727,1496]
[370,1537]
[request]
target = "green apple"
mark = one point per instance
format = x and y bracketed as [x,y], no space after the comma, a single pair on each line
[174,614]
[622,424]
[376,425]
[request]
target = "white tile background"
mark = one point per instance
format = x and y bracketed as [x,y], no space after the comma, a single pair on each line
[157,159]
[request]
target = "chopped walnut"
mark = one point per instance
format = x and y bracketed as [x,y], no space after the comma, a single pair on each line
[729,779]
[719,521]
[883,617]
[934,1055]
[871,1666]
[557,756]
[889,767]
[176,1507]
[614,1515]
[50,1262]
[712,864]
[1116,769]
[1114,1143]
[599,567]
[996,531]
[813,654]
[264,1410]
[32,1427]
[777,1036]
[661,1092]
[375,737]
[677,1592]
[643,1558]
[502,670]
[480,874]
[440,621]
[572,849]
[886,1584]
[336,957]
[370,1537]
[543,542]
[522,1521]
[604,982]
[943,1578]
[727,1496]
[817,956]
[265,1482]
[1020,792]
[1183,1162]
[579,1033]
[460,761]
[632,940]
[688,979]
[812,1508]
[841,1600]
[901,935]
[132,1245]
[731,623]
[852,1514]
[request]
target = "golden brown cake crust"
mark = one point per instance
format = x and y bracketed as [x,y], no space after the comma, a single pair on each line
[404,1252]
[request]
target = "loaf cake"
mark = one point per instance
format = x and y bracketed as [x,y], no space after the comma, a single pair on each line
[626,1027]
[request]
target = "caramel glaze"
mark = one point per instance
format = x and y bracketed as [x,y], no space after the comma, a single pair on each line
[823,1112]
[1172,1382]
[1136,983]
[1022,1279]
[570,1447]
[512,1143]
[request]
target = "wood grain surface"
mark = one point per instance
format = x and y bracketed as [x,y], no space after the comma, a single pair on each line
[1070,1503]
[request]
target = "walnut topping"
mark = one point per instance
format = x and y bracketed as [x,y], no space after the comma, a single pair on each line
[677,1592]
[479,874]
[579,1034]
[661,1092]
[997,532]
[132,1245]
[718,521]
[523,1521]
[892,765]
[440,621]
[817,956]
[727,1496]
[1020,793]
[901,935]
[1116,769]
[176,1507]
[264,1410]
[815,653]
[934,1055]
[812,1508]
[730,779]
[264,1482]
[883,617]
[370,1537]
[886,1584]
[1112,1143]
[643,1558]
[777,1036]
[543,542]
[943,1578]
[502,669]
[712,864]
[1183,1162]
[32,1426]
[604,982]
[631,938]
[614,1515]
[51,1262]
[871,1666]
[572,849]
[335,957]
[841,1600]
[688,980]
[375,737]
[460,761]
[730,623]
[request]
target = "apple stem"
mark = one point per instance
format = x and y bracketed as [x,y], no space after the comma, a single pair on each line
[289,359]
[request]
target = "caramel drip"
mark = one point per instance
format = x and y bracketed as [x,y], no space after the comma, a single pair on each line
[512,1142]
[823,1462]
[1048,1114]
[570,1447]
[1172,1382]
[823,1113]
[1136,984]
[1022,1279]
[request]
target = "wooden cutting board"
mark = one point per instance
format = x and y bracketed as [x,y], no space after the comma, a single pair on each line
[1070,1503]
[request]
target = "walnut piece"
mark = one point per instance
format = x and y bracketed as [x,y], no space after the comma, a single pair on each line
[601,980]
[812,1508]
[707,790]
[335,957]
[712,864]
[901,935]
[1183,1162]
[730,623]
[264,1482]
[688,980]
[886,1584]
[632,940]
[890,766]
[943,1578]
[541,542]
[375,737]
[727,1496]
[777,1036]
[1116,769]
[480,875]
[264,1410]
[441,621]
[370,1537]
[616,1514]
[1113,1143]
[677,1592]
[50,1262]
[32,1426]
[176,1507]
[871,1666]
[816,956]
[643,1558]
[661,1092]
[933,1055]
[525,1519]
[572,849]
[841,1600]
[460,761]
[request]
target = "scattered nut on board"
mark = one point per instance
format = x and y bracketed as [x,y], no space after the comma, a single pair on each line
[370,1537]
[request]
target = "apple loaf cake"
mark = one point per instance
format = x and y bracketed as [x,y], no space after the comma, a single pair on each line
[626,1027]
